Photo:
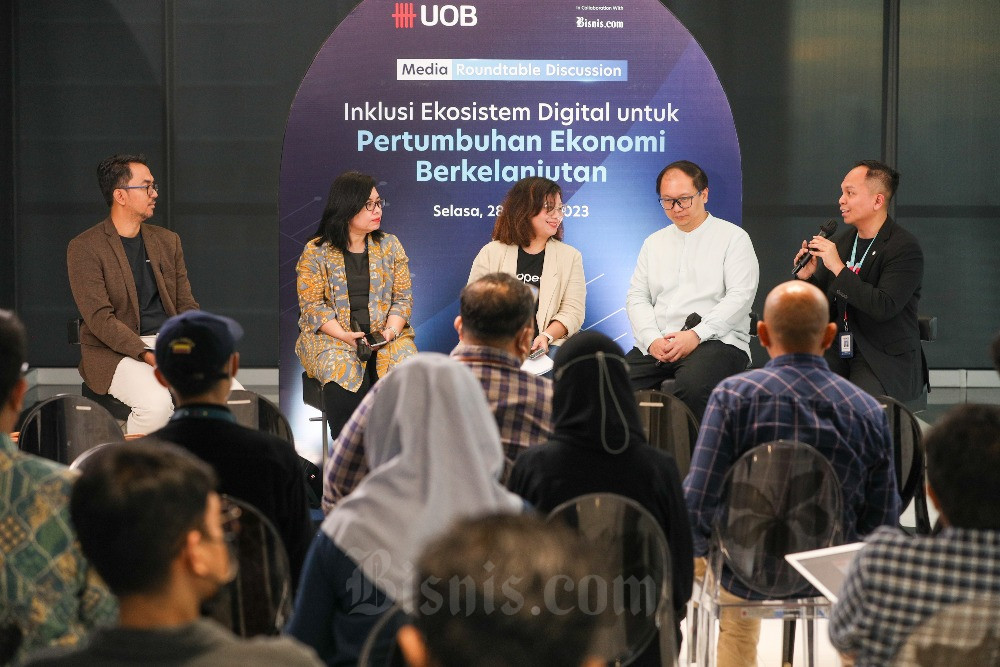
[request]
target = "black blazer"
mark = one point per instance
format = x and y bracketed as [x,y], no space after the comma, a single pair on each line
[881,304]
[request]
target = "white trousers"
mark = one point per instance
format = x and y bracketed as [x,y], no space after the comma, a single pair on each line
[135,385]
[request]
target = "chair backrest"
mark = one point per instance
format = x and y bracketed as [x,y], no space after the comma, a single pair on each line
[259,600]
[64,426]
[965,633]
[254,411]
[636,561]
[380,648]
[80,462]
[669,424]
[778,498]
[907,446]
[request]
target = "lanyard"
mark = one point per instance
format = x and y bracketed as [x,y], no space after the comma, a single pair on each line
[857,267]
[204,411]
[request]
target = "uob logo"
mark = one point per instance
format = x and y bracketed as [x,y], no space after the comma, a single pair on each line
[431,15]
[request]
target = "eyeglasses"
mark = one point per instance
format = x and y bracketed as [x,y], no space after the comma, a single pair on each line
[150,189]
[550,207]
[372,203]
[681,202]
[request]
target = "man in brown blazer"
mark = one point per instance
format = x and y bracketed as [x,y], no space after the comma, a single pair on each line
[127,279]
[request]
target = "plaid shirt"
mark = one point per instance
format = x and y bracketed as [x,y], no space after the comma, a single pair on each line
[46,585]
[898,581]
[795,397]
[520,401]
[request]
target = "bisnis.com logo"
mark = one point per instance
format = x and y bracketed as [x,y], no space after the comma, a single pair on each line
[431,15]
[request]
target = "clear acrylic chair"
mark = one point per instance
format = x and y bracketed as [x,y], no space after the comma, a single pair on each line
[255,411]
[965,633]
[258,601]
[636,562]
[908,456]
[669,425]
[778,498]
[380,648]
[62,427]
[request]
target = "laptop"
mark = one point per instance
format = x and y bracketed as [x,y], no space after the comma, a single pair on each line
[826,569]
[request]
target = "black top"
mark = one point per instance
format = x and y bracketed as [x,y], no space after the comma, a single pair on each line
[254,466]
[151,312]
[358,287]
[593,410]
[529,271]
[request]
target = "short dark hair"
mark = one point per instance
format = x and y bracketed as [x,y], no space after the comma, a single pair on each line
[13,352]
[349,193]
[485,595]
[963,465]
[132,507]
[523,202]
[886,177]
[496,307]
[114,172]
[696,173]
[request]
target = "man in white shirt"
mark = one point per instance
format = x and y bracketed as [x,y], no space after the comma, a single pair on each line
[700,264]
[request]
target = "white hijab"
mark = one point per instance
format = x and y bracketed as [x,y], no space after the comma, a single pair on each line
[434,455]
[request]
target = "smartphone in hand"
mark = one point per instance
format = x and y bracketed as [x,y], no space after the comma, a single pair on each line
[375,340]
[537,353]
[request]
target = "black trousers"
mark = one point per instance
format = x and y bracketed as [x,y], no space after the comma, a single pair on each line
[341,403]
[696,374]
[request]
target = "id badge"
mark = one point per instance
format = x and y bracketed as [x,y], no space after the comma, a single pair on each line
[846,345]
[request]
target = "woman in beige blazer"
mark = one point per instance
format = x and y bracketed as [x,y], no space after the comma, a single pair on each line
[530,224]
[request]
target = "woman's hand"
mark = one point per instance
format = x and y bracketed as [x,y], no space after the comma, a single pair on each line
[541,342]
[350,337]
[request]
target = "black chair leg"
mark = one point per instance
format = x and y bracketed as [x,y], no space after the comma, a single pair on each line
[787,642]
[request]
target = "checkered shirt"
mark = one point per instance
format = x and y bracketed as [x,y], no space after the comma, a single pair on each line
[46,585]
[897,581]
[521,402]
[794,397]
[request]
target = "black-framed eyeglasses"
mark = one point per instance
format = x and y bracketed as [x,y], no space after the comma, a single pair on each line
[550,207]
[150,189]
[372,203]
[681,202]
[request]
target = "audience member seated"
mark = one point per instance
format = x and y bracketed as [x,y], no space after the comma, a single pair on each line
[897,581]
[495,332]
[485,597]
[196,359]
[794,397]
[47,588]
[435,456]
[598,445]
[150,521]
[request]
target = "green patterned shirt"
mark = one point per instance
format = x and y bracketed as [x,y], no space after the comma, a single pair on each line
[47,587]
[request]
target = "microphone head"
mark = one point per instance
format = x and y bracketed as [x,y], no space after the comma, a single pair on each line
[693,320]
[828,228]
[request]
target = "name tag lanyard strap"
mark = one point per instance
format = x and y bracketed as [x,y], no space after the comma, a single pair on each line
[857,267]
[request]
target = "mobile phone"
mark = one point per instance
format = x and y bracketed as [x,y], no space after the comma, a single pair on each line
[375,339]
[537,353]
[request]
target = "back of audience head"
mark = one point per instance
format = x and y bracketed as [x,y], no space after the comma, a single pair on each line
[963,466]
[13,355]
[136,507]
[796,320]
[196,351]
[493,592]
[496,310]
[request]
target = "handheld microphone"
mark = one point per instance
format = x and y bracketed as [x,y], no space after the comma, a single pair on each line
[826,231]
[693,320]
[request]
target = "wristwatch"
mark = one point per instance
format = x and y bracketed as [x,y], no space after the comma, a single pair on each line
[549,336]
